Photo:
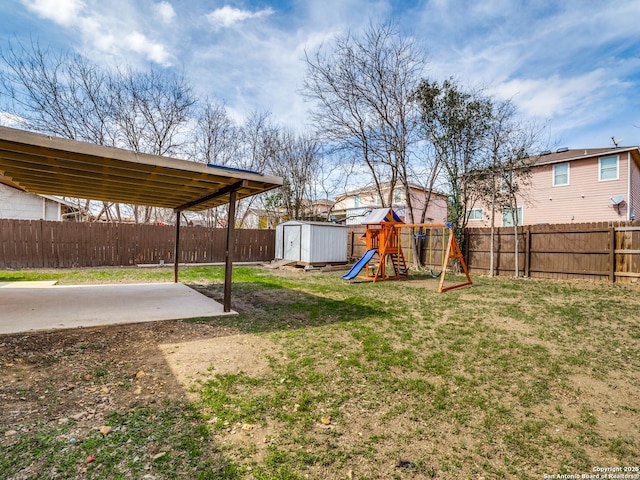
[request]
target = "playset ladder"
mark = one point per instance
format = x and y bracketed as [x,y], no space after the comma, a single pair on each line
[399,263]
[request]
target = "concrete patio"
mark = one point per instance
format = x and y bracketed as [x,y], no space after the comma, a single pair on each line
[34,306]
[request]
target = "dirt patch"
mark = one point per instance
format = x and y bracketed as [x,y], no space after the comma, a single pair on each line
[198,359]
[84,374]
[611,408]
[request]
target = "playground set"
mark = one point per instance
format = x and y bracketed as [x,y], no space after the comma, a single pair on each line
[383,240]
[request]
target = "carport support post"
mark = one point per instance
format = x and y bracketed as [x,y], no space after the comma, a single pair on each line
[176,253]
[228,266]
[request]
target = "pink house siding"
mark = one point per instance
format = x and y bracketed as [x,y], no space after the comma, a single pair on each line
[436,212]
[586,198]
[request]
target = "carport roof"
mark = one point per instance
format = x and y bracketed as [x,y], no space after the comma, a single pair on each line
[55,166]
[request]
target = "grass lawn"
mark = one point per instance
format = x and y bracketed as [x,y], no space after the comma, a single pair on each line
[504,379]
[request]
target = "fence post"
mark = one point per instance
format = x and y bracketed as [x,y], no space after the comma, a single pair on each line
[527,251]
[612,254]
[466,249]
[42,256]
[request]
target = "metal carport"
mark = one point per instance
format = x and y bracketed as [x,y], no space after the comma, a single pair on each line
[55,166]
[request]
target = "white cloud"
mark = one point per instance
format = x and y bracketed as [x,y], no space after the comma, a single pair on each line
[103,41]
[572,63]
[165,11]
[558,96]
[62,12]
[153,51]
[260,69]
[10,119]
[228,16]
[314,40]
[118,29]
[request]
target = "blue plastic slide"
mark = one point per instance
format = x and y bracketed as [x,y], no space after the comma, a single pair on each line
[359,265]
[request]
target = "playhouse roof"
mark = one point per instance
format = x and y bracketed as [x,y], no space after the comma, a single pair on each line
[382,215]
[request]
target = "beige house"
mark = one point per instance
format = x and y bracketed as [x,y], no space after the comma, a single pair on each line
[354,206]
[580,185]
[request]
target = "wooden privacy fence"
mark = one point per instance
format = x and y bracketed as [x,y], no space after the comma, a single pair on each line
[43,244]
[600,251]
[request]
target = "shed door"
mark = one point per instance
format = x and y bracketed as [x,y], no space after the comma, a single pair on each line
[291,239]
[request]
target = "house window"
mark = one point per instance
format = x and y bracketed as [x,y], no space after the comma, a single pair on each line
[508,219]
[608,168]
[397,195]
[560,174]
[356,201]
[475,214]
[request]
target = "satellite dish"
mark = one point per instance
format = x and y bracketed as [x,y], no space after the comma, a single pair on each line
[617,200]
[615,141]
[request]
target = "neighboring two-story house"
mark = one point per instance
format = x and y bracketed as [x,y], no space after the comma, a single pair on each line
[354,206]
[579,185]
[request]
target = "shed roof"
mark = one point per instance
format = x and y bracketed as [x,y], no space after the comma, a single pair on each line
[55,166]
[311,222]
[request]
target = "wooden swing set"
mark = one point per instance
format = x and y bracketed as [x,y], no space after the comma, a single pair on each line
[383,237]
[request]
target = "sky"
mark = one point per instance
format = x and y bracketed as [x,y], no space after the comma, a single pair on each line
[570,65]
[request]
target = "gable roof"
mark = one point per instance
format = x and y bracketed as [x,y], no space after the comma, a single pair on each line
[56,166]
[568,155]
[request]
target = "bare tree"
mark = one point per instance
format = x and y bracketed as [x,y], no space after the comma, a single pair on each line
[362,88]
[68,96]
[215,137]
[215,140]
[250,146]
[161,104]
[502,183]
[297,161]
[58,94]
[151,110]
[331,176]
[258,146]
[489,180]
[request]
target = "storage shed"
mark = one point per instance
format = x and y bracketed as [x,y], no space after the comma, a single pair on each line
[311,243]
